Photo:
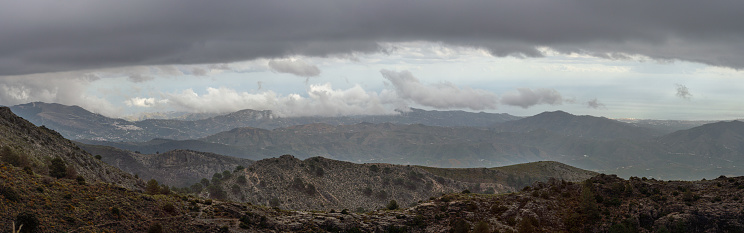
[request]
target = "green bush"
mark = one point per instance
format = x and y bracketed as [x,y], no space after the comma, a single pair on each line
[58,169]
[392,205]
[98,157]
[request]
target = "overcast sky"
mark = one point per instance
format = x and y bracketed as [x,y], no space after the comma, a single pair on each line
[666,59]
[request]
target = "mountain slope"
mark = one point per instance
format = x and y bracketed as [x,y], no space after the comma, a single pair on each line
[578,126]
[719,140]
[37,146]
[177,168]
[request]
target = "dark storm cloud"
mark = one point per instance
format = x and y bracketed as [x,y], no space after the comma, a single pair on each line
[45,36]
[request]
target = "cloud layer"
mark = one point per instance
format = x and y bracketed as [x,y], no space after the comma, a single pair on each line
[525,97]
[296,67]
[91,34]
[442,95]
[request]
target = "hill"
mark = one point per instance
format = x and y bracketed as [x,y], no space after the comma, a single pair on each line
[35,148]
[177,168]
[322,184]
[600,204]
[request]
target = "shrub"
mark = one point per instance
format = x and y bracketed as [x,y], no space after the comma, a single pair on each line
[235,189]
[274,202]
[98,157]
[169,208]
[392,205]
[239,168]
[11,157]
[29,221]
[345,211]
[465,191]
[374,168]
[460,226]
[58,169]
[242,180]
[155,228]
[367,191]
[9,193]
[204,182]
[115,211]
[216,192]
[382,195]
[482,227]
[164,189]
[80,180]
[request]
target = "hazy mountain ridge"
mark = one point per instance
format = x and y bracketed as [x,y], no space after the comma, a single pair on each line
[37,146]
[578,126]
[79,124]
[178,168]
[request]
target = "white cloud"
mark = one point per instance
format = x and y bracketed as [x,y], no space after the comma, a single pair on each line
[144,102]
[442,95]
[321,100]
[526,97]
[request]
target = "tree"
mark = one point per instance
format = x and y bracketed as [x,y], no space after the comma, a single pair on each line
[152,187]
[164,189]
[392,205]
[196,188]
[58,169]
[204,182]
[239,168]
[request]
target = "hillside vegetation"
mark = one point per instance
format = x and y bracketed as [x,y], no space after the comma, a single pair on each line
[44,151]
[323,184]
[177,168]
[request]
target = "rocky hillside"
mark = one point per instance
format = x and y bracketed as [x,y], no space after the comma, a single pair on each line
[322,184]
[35,148]
[600,204]
[178,168]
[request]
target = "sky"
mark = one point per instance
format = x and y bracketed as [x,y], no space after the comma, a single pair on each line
[666,59]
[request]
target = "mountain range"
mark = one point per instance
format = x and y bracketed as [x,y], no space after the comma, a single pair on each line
[76,123]
[473,140]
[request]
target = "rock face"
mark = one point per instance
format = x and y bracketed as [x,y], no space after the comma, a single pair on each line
[35,148]
[323,184]
[178,168]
